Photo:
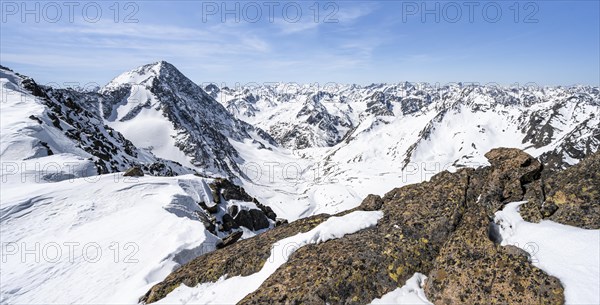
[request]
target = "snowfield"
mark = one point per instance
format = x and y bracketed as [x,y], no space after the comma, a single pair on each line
[569,253]
[234,289]
[97,240]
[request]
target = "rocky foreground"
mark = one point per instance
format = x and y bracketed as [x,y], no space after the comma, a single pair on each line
[442,228]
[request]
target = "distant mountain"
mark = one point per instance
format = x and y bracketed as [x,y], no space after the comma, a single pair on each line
[65,128]
[337,143]
[160,109]
[560,125]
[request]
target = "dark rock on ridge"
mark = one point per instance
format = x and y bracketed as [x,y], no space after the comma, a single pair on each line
[230,239]
[253,219]
[135,171]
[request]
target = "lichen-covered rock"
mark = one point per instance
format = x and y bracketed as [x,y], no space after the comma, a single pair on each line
[511,170]
[471,269]
[570,197]
[362,266]
[371,203]
[440,227]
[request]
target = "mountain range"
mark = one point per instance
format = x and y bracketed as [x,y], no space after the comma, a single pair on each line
[234,162]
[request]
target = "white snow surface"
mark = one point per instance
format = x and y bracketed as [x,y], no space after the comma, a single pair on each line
[97,240]
[410,294]
[234,289]
[22,156]
[569,253]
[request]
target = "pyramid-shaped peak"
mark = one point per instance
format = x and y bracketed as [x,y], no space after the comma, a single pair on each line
[160,65]
[143,75]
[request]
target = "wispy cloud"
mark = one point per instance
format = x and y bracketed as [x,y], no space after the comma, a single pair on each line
[342,14]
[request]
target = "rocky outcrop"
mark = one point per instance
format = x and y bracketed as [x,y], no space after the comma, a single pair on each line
[362,266]
[442,228]
[135,171]
[224,190]
[570,197]
[471,268]
[228,211]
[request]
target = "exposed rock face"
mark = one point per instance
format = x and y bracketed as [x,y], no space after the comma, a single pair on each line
[571,196]
[470,268]
[253,219]
[441,228]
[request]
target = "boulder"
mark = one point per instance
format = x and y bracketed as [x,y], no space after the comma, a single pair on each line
[267,210]
[135,171]
[244,219]
[229,222]
[252,219]
[233,210]
[259,219]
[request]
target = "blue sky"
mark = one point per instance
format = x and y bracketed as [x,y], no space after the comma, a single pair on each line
[547,42]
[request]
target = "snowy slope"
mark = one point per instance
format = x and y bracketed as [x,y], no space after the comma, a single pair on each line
[126,234]
[569,253]
[60,134]
[27,133]
[159,109]
[72,235]
[320,149]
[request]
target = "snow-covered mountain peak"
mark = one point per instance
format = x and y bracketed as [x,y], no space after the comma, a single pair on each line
[143,75]
[158,108]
